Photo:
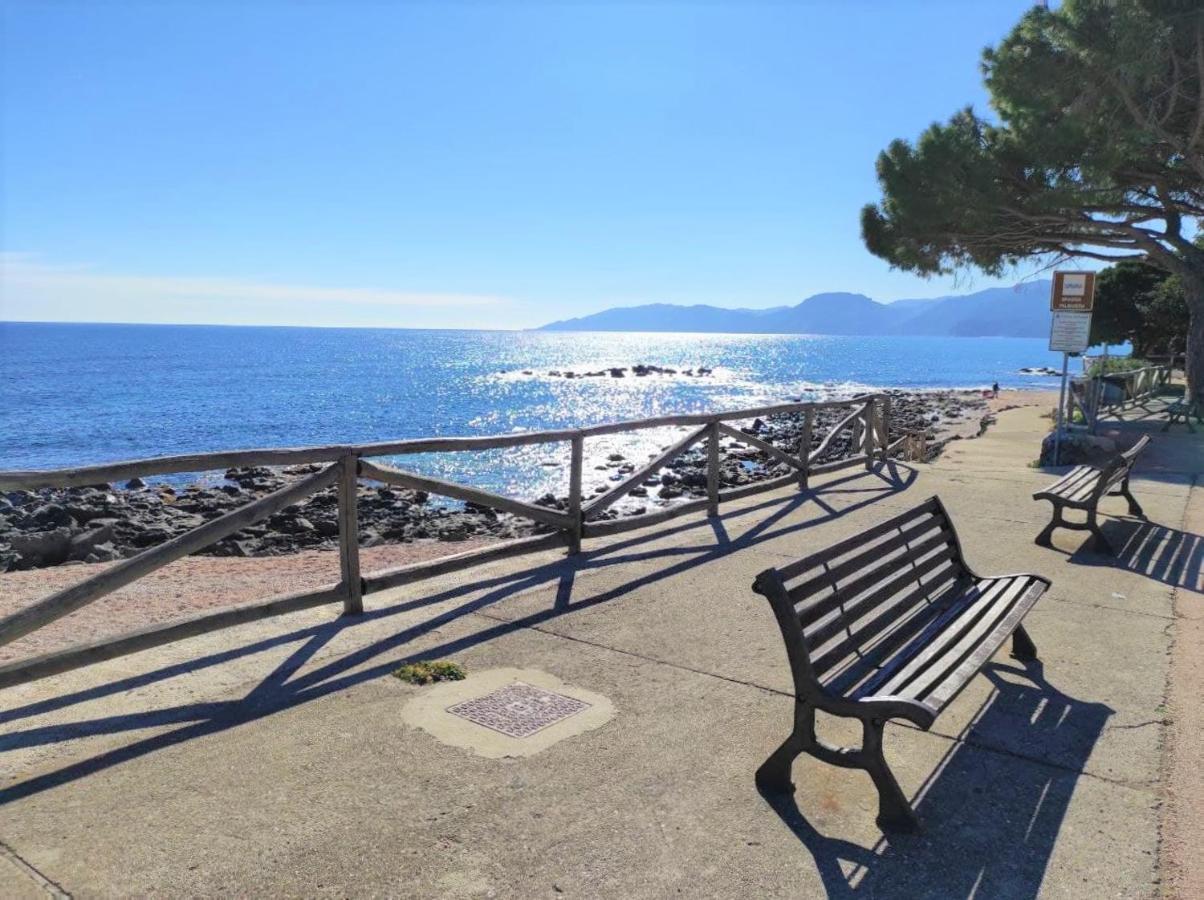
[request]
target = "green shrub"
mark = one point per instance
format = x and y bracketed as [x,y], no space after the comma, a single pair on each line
[426,672]
[1108,364]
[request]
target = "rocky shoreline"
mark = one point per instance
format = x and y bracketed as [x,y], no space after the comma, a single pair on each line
[103,523]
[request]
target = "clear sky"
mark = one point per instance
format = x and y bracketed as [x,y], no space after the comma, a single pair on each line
[459,164]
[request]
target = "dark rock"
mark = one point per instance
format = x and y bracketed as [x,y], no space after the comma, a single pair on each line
[51,515]
[150,537]
[103,553]
[41,548]
[135,484]
[84,544]
[457,532]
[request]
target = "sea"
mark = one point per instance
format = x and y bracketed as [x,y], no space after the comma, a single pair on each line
[77,394]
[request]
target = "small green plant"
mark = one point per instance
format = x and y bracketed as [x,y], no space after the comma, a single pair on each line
[426,672]
[1106,365]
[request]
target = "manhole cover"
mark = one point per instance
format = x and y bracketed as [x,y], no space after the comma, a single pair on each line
[518,710]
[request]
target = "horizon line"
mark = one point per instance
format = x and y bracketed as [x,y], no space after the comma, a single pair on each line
[541,328]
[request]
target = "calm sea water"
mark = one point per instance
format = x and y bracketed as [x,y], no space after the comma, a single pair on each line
[76,394]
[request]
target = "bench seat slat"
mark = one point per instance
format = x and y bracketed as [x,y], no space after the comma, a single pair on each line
[846,677]
[870,659]
[942,656]
[1068,488]
[1070,480]
[1084,490]
[943,693]
[914,645]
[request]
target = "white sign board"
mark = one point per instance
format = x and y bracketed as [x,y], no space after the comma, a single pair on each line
[1070,332]
[1074,284]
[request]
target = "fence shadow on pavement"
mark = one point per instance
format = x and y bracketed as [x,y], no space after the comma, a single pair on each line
[288,685]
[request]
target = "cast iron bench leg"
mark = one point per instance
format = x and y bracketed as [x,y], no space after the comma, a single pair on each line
[1043,538]
[894,812]
[774,775]
[1023,647]
[1101,541]
[1134,507]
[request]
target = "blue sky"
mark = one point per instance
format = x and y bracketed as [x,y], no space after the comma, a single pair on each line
[459,165]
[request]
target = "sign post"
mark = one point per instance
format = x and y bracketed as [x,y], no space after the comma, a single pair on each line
[1071,301]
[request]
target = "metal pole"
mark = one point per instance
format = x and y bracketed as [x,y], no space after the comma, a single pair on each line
[1061,406]
[1099,390]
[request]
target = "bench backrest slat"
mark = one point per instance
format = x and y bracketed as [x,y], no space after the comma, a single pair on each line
[793,570]
[858,670]
[890,620]
[1120,469]
[821,631]
[850,599]
[855,573]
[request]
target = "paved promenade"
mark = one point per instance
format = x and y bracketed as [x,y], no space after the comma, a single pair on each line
[280,759]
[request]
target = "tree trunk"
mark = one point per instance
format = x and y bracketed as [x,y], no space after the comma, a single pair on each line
[1193,288]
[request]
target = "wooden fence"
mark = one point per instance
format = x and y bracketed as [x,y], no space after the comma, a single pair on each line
[1137,386]
[868,420]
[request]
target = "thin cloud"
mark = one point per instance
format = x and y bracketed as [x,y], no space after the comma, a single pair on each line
[23,276]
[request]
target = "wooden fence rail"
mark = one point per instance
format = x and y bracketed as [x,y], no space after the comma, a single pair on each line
[345,465]
[1088,394]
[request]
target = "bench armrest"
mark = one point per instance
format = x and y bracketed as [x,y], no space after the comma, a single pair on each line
[890,707]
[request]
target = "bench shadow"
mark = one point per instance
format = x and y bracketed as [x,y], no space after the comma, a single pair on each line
[1168,555]
[989,818]
[284,688]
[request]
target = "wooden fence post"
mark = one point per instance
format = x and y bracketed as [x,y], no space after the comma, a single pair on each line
[884,424]
[804,448]
[871,432]
[349,536]
[713,469]
[576,465]
[858,435]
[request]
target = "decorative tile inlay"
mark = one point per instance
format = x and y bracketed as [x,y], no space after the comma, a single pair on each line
[519,709]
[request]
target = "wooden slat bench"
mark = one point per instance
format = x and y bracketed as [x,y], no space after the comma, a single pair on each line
[888,624]
[1182,410]
[1083,487]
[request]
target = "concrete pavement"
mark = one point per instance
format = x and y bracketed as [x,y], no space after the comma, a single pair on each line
[273,759]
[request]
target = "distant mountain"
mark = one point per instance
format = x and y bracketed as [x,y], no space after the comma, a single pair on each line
[1022,311]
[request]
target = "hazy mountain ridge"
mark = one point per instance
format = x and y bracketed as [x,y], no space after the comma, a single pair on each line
[1022,311]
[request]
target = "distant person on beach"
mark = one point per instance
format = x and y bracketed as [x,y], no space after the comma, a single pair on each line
[995,389]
